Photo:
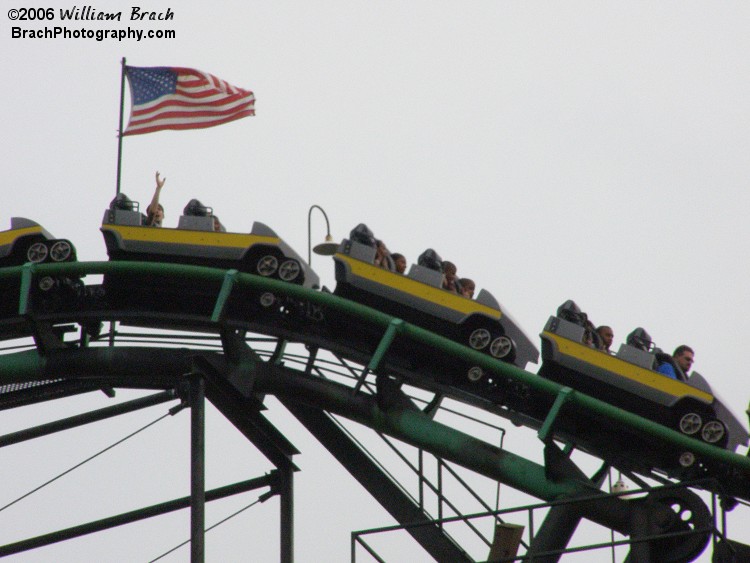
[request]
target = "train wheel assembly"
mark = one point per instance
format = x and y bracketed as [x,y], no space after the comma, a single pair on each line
[690,423]
[502,347]
[267,299]
[289,270]
[475,373]
[687,459]
[37,252]
[61,251]
[479,338]
[267,265]
[713,432]
[46,283]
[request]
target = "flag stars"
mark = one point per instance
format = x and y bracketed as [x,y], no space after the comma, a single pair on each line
[148,84]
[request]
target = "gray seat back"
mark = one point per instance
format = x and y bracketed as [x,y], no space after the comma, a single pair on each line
[194,223]
[123,217]
[426,275]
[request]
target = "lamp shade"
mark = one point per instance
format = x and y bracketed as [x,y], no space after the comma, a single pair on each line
[327,248]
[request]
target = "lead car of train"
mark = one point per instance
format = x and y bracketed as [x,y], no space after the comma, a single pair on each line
[629,379]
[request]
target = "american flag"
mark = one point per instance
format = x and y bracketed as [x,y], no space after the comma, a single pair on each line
[182,98]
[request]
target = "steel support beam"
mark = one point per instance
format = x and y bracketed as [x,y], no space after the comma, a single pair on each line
[197,469]
[558,528]
[87,418]
[286,502]
[413,427]
[234,397]
[410,426]
[378,484]
[270,480]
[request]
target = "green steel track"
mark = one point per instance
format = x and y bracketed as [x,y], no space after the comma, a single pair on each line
[225,303]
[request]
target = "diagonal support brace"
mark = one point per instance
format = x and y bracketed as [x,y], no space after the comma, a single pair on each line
[394,327]
[230,278]
[565,394]
[25,294]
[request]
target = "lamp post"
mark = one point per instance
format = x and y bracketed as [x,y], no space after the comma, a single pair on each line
[327,248]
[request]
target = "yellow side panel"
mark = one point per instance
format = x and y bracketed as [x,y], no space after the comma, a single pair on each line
[417,289]
[7,237]
[626,369]
[182,236]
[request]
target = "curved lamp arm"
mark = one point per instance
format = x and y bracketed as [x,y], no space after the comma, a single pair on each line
[309,237]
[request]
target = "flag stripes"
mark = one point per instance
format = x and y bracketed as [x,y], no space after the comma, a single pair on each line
[182,98]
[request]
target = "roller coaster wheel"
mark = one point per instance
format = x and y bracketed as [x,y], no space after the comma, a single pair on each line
[289,270]
[692,515]
[46,283]
[475,374]
[267,299]
[37,252]
[687,459]
[479,338]
[61,251]
[267,265]
[713,432]
[502,347]
[690,423]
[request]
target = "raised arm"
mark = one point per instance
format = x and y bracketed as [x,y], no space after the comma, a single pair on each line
[153,208]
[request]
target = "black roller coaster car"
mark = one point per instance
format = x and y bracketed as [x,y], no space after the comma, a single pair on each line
[629,380]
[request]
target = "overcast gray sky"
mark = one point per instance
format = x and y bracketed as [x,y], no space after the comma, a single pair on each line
[594,151]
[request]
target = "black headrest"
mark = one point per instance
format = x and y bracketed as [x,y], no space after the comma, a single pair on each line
[640,339]
[430,259]
[124,203]
[363,235]
[572,312]
[197,209]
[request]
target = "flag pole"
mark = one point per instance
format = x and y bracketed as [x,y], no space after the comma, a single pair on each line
[119,131]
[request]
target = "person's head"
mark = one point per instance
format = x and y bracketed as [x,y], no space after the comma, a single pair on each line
[450,270]
[217,224]
[399,261]
[155,219]
[467,287]
[684,356]
[607,335]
